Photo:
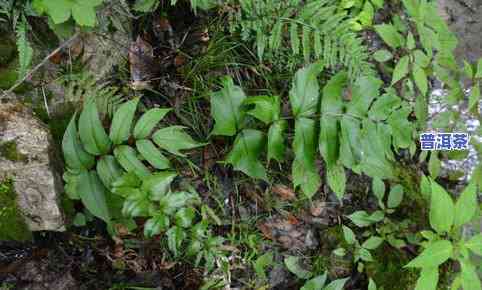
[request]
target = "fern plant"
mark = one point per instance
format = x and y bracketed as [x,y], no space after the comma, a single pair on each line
[25,51]
[317,29]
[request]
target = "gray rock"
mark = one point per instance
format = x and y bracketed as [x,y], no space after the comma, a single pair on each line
[26,155]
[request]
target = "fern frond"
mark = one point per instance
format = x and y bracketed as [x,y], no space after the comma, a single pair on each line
[25,51]
[316,29]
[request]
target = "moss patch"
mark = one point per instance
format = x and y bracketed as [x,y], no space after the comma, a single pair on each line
[12,225]
[9,151]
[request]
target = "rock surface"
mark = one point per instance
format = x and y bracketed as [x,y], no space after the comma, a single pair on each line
[26,156]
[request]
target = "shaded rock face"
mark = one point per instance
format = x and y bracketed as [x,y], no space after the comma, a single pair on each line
[464,18]
[25,157]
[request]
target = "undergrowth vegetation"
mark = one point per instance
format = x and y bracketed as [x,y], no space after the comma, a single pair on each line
[307,111]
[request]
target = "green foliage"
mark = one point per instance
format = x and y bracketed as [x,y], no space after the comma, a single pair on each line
[317,31]
[25,51]
[60,11]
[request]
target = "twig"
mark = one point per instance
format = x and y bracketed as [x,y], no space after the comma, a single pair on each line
[38,66]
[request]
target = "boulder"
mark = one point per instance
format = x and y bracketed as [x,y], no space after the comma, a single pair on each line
[27,160]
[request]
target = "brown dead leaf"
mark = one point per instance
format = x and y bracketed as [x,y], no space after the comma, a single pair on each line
[285,193]
[179,60]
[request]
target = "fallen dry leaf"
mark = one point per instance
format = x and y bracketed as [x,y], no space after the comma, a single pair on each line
[285,193]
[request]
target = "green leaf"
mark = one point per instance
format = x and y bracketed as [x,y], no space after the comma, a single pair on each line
[395,196]
[148,121]
[372,243]
[382,55]
[294,38]
[363,219]
[478,75]
[261,263]
[245,153]
[74,154]
[337,180]
[390,35]
[58,10]
[331,107]
[349,236]
[276,140]
[475,244]
[435,254]
[158,184]
[137,203]
[383,106]
[401,128]
[306,42]
[79,220]
[145,5]
[25,51]
[84,14]
[372,285]
[293,265]
[174,139]
[428,279]
[304,171]
[336,284]
[434,165]
[172,201]
[441,209]
[152,155]
[226,109]
[474,97]
[364,90]
[93,195]
[92,134]
[266,108]
[466,205]
[365,255]
[305,91]
[120,128]
[470,278]
[316,283]
[378,188]
[127,158]
[420,79]
[410,41]
[185,216]
[175,237]
[108,170]
[155,225]
[421,59]
[401,69]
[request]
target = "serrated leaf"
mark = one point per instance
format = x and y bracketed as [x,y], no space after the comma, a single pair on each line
[401,128]
[158,184]
[304,171]
[349,235]
[276,140]
[275,37]
[401,69]
[470,278]
[245,153]
[306,42]
[428,279]
[305,91]
[337,180]
[120,128]
[364,90]
[127,158]
[435,254]
[174,139]
[261,41]
[316,283]
[74,154]
[293,265]
[93,195]
[475,244]
[390,35]
[108,170]
[266,108]
[226,108]
[441,209]
[382,55]
[331,107]
[372,243]
[420,79]
[152,155]
[91,132]
[466,205]
[421,59]
[395,196]
[25,51]
[148,121]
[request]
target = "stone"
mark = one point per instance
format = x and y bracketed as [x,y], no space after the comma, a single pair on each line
[27,156]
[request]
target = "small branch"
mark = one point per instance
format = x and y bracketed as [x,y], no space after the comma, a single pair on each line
[38,66]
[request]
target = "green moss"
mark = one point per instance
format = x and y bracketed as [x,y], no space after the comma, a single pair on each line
[387,269]
[9,151]
[12,225]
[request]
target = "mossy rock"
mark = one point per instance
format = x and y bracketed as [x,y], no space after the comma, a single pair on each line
[12,225]
[9,151]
